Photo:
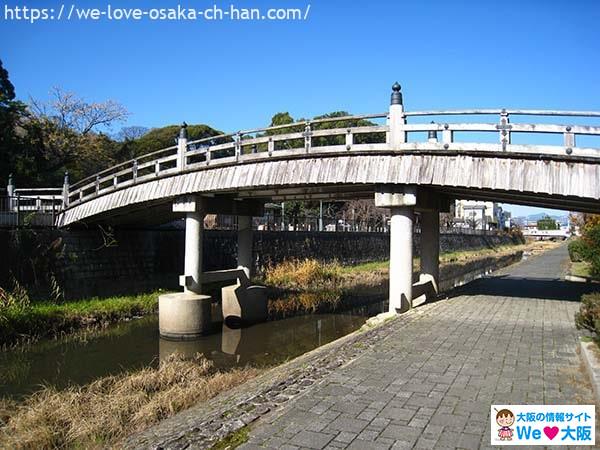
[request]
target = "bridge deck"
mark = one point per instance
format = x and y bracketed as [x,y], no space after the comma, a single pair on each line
[353,151]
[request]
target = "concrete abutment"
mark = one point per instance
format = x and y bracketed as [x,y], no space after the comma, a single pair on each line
[187,314]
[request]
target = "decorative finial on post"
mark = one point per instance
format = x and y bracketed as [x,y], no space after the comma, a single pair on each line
[432,134]
[396,94]
[10,179]
[66,182]
[183,131]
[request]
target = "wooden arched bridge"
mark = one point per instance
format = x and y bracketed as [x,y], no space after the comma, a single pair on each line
[409,160]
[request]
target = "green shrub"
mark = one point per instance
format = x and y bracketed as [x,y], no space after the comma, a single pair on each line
[588,317]
[595,265]
[577,250]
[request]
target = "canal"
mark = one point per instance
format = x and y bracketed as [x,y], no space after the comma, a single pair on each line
[132,345]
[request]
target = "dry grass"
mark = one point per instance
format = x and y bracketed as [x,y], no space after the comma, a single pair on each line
[306,274]
[104,412]
[312,286]
[310,301]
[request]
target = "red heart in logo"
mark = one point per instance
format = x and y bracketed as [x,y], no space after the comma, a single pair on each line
[551,432]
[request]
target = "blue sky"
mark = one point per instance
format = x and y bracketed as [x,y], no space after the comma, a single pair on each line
[234,75]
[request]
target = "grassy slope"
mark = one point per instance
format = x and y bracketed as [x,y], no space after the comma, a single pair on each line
[102,413]
[48,319]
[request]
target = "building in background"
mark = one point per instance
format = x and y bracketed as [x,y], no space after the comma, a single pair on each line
[480,215]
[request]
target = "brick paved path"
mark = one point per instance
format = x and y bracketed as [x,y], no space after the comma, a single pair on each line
[506,339]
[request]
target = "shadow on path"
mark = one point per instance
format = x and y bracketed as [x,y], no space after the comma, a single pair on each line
[511,286]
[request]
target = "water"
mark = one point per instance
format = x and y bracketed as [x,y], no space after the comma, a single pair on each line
[136,344]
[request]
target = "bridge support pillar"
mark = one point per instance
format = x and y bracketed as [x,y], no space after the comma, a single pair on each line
[401,258]
[187,314]
[194,230]
[244,239]
[430,248]
[401,200]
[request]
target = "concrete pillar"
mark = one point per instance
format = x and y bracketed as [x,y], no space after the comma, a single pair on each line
[187,314]
[244,239]
[194,230]
[401,258]
[430,248]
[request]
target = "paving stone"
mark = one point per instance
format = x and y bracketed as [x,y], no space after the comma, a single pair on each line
[345,437]
[427,379]
[367,445]
[348,424]
[311,439]
[368,435]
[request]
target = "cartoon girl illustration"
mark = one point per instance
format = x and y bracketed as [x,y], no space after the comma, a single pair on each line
[505,418]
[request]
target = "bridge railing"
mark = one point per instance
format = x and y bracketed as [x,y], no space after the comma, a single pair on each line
[312,135]
[504,129]
[341,135]
[30,208]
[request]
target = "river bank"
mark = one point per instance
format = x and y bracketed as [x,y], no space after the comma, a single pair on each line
[23,321]
[67,425]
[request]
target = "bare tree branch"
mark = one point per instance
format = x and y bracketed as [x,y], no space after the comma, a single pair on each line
[67,110]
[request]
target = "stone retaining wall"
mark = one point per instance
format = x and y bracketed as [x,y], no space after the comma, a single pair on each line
[93,262]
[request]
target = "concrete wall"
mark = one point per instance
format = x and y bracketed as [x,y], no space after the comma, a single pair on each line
[91,262]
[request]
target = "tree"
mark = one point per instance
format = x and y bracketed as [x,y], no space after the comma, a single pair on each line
[68,111]
[11,114]
[547,223]
[296,211]
[159,138]
[67,133]
[363,215]
[472,221]
[281,118]
[131,133]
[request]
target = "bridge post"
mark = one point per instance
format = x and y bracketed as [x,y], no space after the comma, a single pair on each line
[430,248]
[401,200]
[65,190]
[10,191]
[244,239]
[182,147]
[397,119]
[187,314]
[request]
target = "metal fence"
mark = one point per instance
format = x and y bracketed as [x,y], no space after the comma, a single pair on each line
[29,211]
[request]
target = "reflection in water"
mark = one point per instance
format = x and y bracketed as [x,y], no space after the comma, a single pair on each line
[136,344]
[266,343]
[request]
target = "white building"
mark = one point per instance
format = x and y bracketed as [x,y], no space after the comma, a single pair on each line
[479,215]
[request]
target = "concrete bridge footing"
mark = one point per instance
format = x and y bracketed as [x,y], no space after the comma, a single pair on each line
[187,314]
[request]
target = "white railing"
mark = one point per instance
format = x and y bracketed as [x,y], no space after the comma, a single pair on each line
[348,134]
[30,208]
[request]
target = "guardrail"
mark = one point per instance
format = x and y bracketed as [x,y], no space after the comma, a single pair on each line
[30,211]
